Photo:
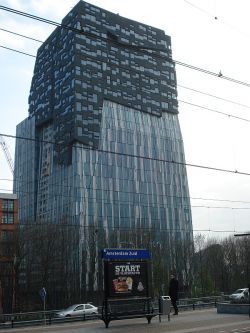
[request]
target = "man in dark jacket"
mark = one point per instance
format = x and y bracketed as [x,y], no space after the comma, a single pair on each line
[173,292]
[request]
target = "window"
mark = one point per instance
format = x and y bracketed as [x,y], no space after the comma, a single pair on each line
[6,243]
[7,204]
[78,308]
[7,235]
[7,218]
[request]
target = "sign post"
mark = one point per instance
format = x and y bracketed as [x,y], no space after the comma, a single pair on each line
[43,293]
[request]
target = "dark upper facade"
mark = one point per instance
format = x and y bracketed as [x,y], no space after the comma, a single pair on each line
[96,55]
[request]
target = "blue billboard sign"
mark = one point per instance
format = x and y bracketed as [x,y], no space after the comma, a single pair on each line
[125,254]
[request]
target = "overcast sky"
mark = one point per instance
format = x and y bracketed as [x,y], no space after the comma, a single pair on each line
[209,34]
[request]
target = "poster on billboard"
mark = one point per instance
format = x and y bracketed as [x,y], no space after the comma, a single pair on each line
[125,279]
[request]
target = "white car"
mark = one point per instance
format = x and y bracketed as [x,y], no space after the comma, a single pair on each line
[242,293]
[78,310]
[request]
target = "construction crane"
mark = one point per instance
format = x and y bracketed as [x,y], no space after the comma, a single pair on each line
[7,153]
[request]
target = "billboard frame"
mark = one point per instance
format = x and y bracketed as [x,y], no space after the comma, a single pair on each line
[126,280]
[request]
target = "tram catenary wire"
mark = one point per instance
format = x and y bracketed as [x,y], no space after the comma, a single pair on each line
[125,45]
[132,155]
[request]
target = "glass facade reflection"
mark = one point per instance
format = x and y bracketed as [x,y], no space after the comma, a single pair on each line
[107,160]
[131,180]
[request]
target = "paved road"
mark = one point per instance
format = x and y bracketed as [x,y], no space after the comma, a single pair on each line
[199,321]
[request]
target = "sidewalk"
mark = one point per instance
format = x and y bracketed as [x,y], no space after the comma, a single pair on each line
[198,321]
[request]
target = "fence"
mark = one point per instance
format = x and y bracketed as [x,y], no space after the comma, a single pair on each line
[48,317]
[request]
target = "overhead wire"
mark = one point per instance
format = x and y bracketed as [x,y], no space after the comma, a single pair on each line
[97,227]
[200,206]
[178,85]
[214,96]
[184,87]
[20,35]
[218,19]
[133,155]
[199,8]
[139,48]
[220,207]
[141,156]
[129,192]
[170,196]
[213,110]
[179,100]
[17,51]
[79,198]
[186,65]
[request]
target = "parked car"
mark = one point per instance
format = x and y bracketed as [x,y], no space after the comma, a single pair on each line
[78,310]
[240,294]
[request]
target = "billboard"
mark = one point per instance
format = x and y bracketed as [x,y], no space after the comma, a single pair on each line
[126,278]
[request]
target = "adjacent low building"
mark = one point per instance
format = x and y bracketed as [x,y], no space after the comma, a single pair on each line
[8,228]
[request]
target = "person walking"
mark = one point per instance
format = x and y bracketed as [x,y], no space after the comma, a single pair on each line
[173,292]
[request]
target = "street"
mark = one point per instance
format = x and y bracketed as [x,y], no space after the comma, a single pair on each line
[199,321]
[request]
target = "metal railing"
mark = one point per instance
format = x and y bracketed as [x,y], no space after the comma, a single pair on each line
[23,319]
[195,303]
[38,318]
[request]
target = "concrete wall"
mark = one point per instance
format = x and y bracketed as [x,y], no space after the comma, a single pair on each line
[233,308]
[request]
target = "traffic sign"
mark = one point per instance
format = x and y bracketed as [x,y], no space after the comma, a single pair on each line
[42,293]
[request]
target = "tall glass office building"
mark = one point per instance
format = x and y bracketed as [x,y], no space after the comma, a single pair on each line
[104,165]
